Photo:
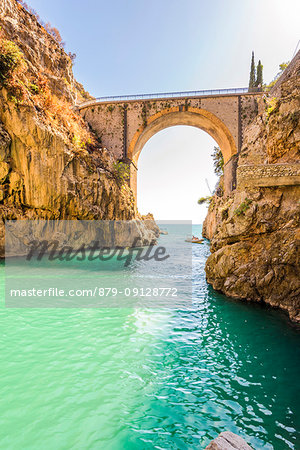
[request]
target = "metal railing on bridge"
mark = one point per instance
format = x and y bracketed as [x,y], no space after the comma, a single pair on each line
[167,95]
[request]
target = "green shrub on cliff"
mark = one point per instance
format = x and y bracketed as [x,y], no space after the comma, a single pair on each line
[219,170]
[11,60]
[282,68]
[243,207]
[272,106]
[203,200]
[121,172]
[218,161]
[12,70]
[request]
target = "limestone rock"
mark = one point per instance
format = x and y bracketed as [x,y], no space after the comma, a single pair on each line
[150,223]
[57,234]
[228,441]
[255,232]
[41,174]
[43,54]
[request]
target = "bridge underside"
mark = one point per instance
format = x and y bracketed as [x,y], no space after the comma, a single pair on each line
[125,127]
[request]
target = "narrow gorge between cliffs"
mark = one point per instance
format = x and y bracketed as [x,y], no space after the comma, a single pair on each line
[136,375]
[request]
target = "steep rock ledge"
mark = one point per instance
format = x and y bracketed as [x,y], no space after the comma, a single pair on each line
[51,164]
[254,232]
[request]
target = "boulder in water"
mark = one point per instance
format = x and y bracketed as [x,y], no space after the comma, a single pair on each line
[228,441]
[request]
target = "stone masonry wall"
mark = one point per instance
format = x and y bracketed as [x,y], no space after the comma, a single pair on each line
[107,119]
[268,175]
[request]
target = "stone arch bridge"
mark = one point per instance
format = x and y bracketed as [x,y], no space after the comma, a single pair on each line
[124,124]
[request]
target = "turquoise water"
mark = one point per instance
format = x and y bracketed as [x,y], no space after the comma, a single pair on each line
[138,379]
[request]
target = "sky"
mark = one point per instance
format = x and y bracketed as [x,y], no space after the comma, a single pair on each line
[137,46]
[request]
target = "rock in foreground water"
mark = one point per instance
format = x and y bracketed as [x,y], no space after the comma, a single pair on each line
[228,441]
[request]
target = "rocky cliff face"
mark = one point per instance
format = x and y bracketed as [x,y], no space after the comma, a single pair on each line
[51,165]
[255,232]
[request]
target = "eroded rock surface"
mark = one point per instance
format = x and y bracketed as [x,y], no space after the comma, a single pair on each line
[255,232]
[51,164]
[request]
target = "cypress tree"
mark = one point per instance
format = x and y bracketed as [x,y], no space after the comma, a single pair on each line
[259,75]
[252,74]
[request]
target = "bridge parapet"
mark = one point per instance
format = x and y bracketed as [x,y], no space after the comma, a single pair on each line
[170,95]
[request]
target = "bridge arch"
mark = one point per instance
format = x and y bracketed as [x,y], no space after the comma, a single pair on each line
[196,117]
